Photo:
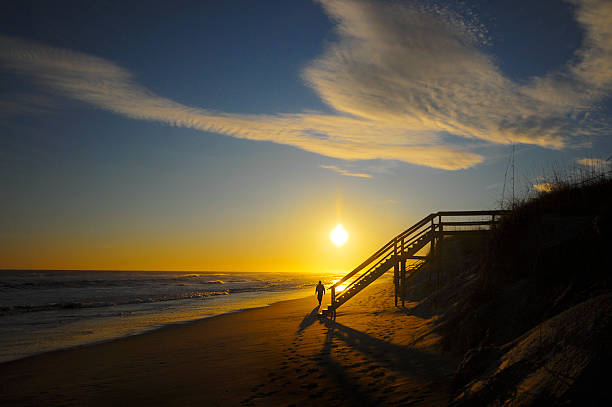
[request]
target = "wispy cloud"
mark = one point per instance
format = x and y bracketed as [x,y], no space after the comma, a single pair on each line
[108,86]
[399,77]
[593,162]
[345,172]
[423,67]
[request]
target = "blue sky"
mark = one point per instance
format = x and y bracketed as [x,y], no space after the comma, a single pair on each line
[162,137]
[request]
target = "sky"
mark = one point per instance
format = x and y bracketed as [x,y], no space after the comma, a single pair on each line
[234,136]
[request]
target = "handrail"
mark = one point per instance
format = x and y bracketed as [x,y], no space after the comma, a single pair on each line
[371,268]
[416,226]
[473,213]
[383,258]
[380,251]
[469,223]
[417,237]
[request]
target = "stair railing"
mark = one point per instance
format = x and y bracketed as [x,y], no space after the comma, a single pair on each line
[428,228]
[403,240]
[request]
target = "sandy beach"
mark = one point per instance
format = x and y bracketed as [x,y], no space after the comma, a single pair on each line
[283,354]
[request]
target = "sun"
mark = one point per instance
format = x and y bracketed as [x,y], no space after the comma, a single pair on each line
[339,236]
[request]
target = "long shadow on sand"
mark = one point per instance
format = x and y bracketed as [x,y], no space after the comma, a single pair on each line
[351,390]
[401,359]
[308,319]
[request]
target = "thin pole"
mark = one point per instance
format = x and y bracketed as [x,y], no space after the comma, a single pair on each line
[513,176]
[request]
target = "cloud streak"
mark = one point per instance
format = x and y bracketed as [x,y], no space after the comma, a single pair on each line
[399,78]
[593,162]
[345,172]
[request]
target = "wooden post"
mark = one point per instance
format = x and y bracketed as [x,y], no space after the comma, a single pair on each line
[432,245]
[438,246]
[403,282]
[433,238]
[395,271]
[333,295]
[396,281]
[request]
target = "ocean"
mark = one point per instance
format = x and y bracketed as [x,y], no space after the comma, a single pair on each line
[41,311]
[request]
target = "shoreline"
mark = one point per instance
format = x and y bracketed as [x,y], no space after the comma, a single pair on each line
[42,314]
[147,331]
[280,354]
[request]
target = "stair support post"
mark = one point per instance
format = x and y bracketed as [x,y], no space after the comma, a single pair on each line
[433,237]
[396,281]
[403,281]
[395,271]
[333,295]
[432,248]
[438,265]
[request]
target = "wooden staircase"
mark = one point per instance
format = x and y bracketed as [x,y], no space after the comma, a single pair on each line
[407,246]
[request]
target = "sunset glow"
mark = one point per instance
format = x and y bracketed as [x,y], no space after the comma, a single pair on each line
[341,287]
[339,235]
[195,149]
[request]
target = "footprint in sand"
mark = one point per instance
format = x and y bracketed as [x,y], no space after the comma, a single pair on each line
[391,389]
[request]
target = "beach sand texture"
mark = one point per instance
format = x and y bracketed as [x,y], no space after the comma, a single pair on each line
[373,354]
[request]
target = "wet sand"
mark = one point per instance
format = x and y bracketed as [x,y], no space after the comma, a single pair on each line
[373,354]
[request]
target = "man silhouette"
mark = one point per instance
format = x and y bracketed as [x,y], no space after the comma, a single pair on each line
[320,290]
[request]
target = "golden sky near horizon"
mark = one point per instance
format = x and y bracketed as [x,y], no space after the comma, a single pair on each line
[211,136]
[279,242]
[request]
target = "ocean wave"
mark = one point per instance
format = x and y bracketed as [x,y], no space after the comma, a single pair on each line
[215,282]
[12,309]
[42,283]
